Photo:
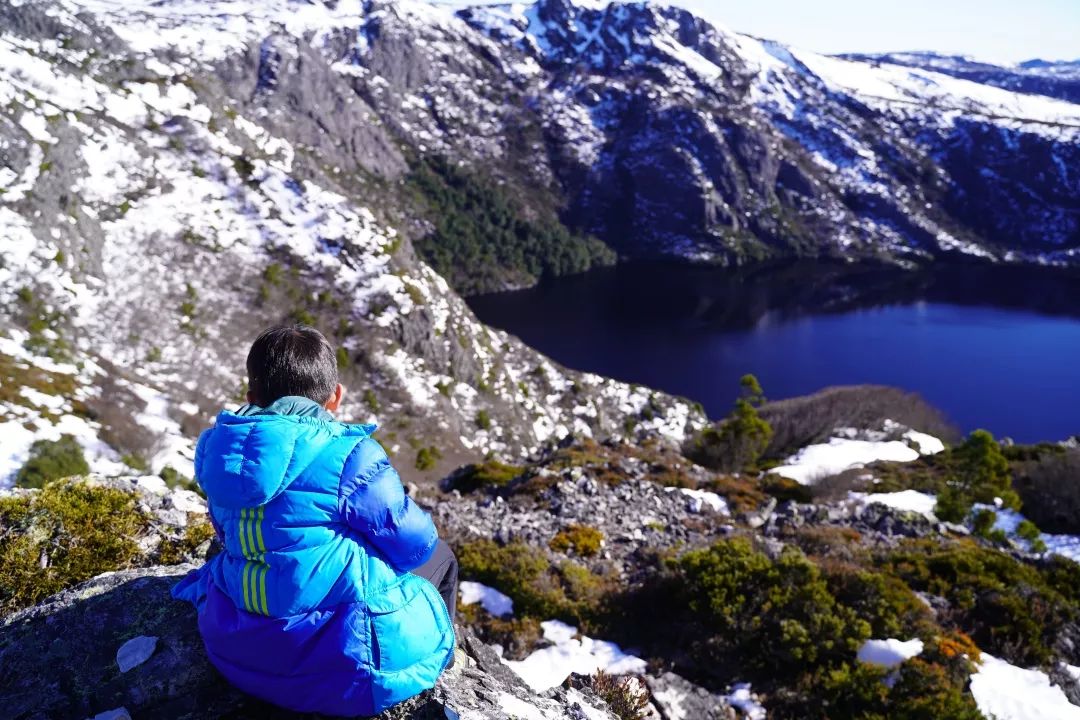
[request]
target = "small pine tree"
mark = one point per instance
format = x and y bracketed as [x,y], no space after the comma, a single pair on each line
[982,471]
[742,438]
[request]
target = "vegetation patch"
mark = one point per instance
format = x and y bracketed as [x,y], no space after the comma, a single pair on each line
[793,626]
[484,239]
[52,460]
[539,588]
[489,474]
[1010,608]
[583,540]
[739,441]
[57,537]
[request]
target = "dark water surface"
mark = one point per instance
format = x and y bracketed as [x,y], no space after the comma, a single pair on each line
[997,348]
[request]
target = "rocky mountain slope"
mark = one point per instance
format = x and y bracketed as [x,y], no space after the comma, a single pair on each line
[160,205]
[733,596]
[174,176]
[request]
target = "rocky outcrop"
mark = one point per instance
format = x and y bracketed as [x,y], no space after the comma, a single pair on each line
[65,658]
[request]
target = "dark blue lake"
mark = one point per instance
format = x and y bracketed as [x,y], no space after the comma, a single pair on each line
[992,348]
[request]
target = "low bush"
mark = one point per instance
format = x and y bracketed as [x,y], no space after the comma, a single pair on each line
[783,488]
[427,458]
[976,472]
[52,460]
[1010,608]
[625,696]
[742,494]
[489,474]
[518,636]
[540,589]
[584,540]
[793,627]
[775,616]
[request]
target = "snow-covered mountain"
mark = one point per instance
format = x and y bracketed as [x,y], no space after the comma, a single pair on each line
[173,179]
[176,174]
[1054,78]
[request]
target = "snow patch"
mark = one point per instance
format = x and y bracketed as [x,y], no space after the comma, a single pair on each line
[889,653]
[570,653]
[909,500]
[1008,692]
[489,598]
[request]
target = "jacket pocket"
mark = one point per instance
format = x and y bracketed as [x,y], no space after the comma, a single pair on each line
[411,628]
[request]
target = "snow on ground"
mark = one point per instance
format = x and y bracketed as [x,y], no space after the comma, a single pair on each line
[815,462]
[850,448]
[1008,521]
[572,653]
[698,499]
[910,500]
[1064,545]
[1007,692]
[889,653]
[489,598]
[742,698]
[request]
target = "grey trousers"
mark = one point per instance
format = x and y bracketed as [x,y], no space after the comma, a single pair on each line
[441,570]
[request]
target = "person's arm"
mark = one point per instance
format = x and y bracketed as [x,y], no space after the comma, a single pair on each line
[373,502]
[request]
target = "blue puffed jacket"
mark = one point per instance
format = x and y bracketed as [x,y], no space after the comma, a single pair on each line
[311,605]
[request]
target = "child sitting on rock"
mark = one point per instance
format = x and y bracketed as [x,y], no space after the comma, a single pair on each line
[324,599]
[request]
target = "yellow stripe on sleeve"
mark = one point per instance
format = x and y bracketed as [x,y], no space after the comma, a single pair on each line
[262,589]
[258,530]
[243,540]
[244,576]
[251,534]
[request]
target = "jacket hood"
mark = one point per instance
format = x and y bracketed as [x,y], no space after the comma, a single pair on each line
[247,460]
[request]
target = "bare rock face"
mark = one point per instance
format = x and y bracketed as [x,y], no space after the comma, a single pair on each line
[59,660]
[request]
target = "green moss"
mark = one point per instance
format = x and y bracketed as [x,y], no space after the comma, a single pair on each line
[59,536]
[51,460]
[584,540]
[186,548]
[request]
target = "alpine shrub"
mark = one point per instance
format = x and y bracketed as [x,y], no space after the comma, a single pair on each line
[52,460]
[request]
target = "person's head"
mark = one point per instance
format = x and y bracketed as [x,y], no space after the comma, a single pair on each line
[293,360]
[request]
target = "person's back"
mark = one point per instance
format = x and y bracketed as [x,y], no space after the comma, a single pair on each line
[312,605]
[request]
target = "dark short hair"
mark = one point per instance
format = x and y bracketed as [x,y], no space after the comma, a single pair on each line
[291,360]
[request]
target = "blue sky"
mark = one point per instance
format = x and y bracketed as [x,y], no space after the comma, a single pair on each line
[994,30]
[1002,31]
